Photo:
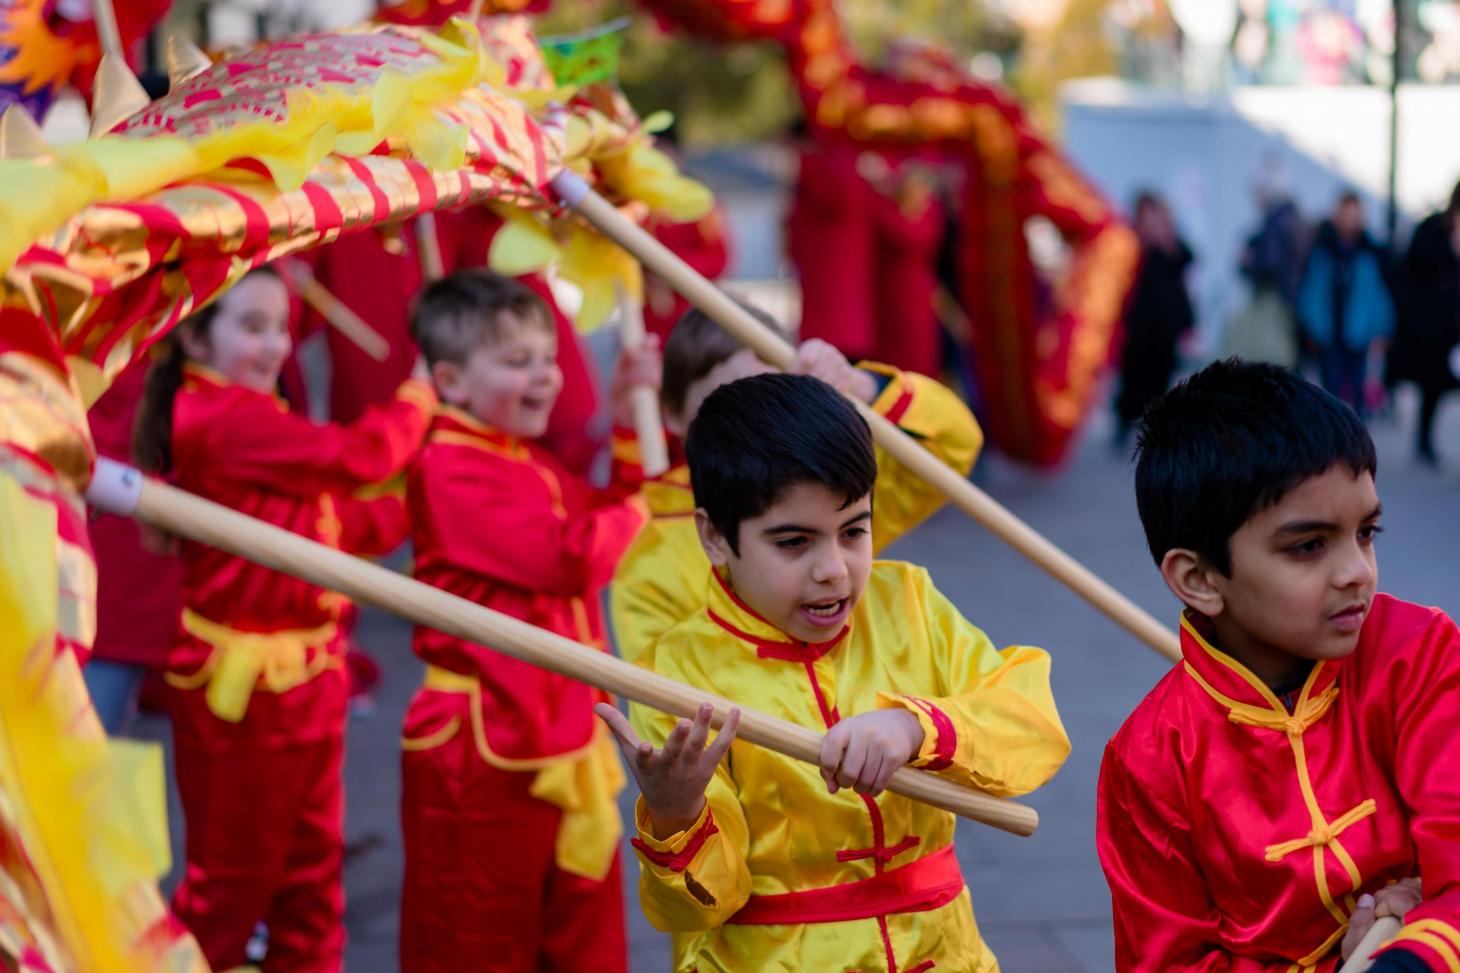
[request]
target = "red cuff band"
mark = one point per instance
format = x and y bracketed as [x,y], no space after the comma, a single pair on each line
[946,743]
[899,408]
[679,861]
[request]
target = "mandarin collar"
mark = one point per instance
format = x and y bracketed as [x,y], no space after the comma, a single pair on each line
[739,619]
[1219,673]
[203,374]
[196,374]
[452,420]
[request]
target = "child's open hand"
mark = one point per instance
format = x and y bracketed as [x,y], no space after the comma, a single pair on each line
[1394,900]
[821,360]
[863,752]
[641,366]
[673,779]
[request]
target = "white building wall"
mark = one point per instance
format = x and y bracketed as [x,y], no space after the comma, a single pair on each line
[1207,156]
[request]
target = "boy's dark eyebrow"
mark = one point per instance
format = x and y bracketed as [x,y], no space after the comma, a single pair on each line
[1310,526]
[789,529]
[799,529]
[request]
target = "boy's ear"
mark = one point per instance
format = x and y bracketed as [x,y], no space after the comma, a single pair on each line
[1193,579]
[717,548]
[446,376]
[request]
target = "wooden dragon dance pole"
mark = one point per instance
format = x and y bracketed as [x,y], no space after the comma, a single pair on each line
[122,490]
[772,348]
[648,422]
[1384,929]
[337,314]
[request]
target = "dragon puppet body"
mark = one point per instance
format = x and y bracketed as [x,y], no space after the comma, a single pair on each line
[1038,350]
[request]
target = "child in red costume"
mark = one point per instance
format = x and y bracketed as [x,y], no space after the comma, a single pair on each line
[508,804]
[377,274]
[1294,778]
[257,692]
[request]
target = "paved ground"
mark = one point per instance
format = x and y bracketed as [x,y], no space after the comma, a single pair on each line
[1041,901]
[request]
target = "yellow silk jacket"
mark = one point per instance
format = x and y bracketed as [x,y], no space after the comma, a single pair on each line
[660,579]
[778,874]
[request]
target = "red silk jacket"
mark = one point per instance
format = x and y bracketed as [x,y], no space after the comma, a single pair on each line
[1236,835]
[501,523]
[245,450]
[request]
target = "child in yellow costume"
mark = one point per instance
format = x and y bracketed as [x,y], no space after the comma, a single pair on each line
[659,582]
[752,860]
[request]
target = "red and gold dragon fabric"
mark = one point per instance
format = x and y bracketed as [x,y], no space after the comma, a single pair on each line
[1038,350]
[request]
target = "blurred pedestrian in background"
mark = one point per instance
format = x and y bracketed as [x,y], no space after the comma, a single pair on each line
[1158,314]
[1272,262]
[1344,305]
[1429,318]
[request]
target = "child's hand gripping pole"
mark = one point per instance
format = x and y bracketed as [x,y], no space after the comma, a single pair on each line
[648,423]
[337,314]
[774,349]
[122,490]
[1384,929]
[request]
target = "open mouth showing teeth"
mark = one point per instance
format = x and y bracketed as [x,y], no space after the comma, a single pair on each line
[827,609]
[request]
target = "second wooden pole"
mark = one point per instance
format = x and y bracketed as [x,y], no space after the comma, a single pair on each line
[648,421]
[775,350]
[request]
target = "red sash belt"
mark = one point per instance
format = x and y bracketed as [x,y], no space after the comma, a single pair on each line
[928,883]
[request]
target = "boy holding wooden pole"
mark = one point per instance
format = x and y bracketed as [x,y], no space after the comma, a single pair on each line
[754,861]
[660,580]
[508,806]
[1284,786]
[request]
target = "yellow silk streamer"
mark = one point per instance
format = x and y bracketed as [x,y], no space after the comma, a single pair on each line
[83,830]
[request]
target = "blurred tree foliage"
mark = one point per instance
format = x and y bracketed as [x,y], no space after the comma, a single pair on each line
[718,93]
[959,26]
[743,92]
[734,93]
[1078,46]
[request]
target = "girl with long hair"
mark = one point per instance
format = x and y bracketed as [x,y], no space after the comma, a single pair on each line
[256,683]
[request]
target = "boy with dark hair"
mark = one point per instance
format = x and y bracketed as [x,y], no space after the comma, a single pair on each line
[661,578]
[756,861]
[508,811]
[1283,787]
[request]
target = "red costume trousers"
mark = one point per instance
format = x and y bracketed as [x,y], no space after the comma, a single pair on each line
[482,890]
[265,838]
